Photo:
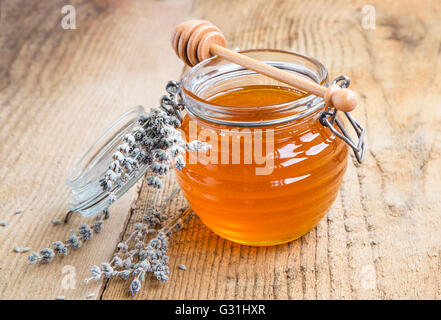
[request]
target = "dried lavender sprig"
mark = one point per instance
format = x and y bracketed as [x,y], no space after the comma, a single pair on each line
[137,256]
[74,241]
[155,143]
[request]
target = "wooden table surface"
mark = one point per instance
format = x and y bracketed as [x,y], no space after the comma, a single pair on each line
[60,88]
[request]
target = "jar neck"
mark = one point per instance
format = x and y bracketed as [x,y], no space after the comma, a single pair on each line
[216,75]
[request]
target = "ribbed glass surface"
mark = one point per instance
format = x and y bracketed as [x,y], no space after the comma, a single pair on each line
[309,161]
[237,204]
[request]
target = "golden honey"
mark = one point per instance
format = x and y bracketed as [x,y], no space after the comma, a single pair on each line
[308,164]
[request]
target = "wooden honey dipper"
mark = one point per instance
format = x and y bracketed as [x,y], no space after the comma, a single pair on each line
[197,40]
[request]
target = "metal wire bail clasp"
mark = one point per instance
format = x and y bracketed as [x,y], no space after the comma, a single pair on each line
[329,117]
[173,104]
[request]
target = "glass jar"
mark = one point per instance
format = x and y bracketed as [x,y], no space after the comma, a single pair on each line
[88,196]
[281,195]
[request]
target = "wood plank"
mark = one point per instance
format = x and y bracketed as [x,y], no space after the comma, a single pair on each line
[59,89]
[381,238]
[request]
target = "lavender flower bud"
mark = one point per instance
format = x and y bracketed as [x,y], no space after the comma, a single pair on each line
[125,274]
[194,146]
[159,168]
[108,185]
[134,152]
[167,142]
[142,119]
[129,139]
[161,155]
[139,245]
[155,243]
[154,182]
[115,166]
[179,162]
[60,248]
[124,148]
[47,254]
[34,257]
[138,136]
[85,232]
[176,150]
[106,214]
[106,269]
[138,129]
[74,242]
[128,263]
[118,156]
[135,286]
[96,272]
[117,262]
[97,226]
[142,254]
[148,143]
[111,175]
[122,246]
[139,226]
[175,122]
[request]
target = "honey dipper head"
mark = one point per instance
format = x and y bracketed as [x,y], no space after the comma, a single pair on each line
[341,98]
[192,40]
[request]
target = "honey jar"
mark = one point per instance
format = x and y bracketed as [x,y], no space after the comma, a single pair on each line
[275,164]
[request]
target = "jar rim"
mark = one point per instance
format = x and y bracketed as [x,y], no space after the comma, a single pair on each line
[206,110]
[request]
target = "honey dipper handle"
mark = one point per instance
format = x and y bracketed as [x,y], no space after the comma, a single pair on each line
[268,70]
[343,99]
[197,40]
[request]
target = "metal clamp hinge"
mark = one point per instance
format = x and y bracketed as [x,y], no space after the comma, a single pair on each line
[329,117]
[173,103]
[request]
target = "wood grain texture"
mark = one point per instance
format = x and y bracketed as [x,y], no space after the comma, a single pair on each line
[59,89]
[379,240]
